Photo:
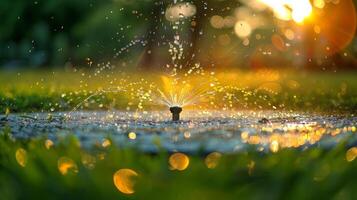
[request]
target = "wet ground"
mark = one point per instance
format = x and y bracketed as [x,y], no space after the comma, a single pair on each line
[198,131]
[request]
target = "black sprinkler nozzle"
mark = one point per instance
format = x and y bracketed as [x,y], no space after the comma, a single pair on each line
[176,113]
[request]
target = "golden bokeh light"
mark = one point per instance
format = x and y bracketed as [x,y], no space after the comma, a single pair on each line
[274,146]
[88,161]
[246,42]
[319,3]
[224,40]
[179,161]
[317,29]
[244,135]
[290,9]
[217,22]
[132,135]
[242,29]
[101,156]
[48,144]
[212,160]
[292,84]
[106,143]
[351,154]
[254,139]
[295,136]
[124,180]
[278,42]
[21,157]
[251,166]
[66,165]
[229,21]
[271,87]
[180,11]
[187,135]
[289,34]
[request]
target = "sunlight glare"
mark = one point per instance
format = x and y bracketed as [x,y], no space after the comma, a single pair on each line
[290,9]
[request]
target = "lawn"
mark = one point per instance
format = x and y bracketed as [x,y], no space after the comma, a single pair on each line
[40,169]
[38,172]
[265,89]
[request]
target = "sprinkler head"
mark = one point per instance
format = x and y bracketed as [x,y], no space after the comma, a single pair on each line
[175,113]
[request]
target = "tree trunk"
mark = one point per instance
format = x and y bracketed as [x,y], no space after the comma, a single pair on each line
[147,59]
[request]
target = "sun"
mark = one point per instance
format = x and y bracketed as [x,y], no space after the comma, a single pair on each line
[290,9]
[301,10]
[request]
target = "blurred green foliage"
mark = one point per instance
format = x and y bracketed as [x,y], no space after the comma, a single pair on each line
[51,32]
[289,174]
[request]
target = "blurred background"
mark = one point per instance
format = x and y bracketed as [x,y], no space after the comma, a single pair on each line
[221,34]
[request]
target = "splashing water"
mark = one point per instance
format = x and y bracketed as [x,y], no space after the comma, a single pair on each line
[184,83]
[184,92]
[181,86]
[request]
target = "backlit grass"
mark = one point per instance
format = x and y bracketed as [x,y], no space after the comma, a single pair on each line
[35,170]
[265,89]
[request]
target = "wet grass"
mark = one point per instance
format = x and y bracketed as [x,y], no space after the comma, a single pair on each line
[287,174]
[286,90]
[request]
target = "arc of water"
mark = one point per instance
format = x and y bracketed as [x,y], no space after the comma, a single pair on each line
[93,95]
[199,92]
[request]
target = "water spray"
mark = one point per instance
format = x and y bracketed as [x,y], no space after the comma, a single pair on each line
[176,110]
